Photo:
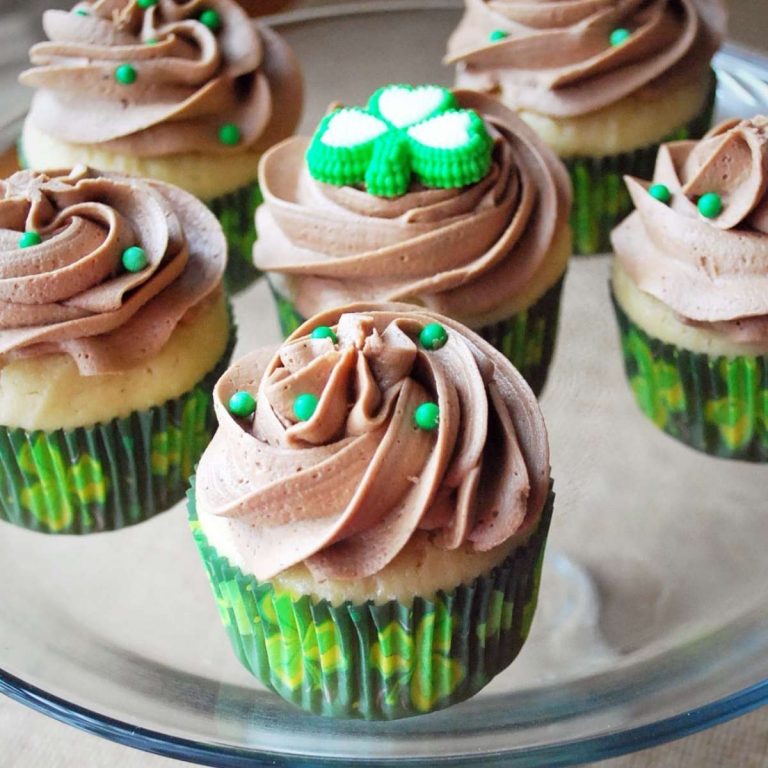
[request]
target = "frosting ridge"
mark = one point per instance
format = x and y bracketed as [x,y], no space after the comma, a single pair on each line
[710,271]
[556,57]
[345,490]
[461,251]
[70,293]
[190,79]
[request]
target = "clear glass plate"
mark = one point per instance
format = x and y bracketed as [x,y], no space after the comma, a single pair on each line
[653,618]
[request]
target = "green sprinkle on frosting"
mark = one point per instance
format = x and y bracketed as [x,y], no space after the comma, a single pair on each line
[134,259]
[497,34]
[211,19]
[29,239]
[427,416]
[126,74]
[433,336]
[304,406]
[619,36]
[710,205]
[404,131]
[81,12]
[229,134]
[241,404]
[660,192]
[324,332]
[144,4]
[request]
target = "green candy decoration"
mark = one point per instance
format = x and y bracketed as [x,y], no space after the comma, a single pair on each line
[324,332]
[134,259]
[126,74]
[229,134]
[433,336]
[660,192]
[241,404]
[144,4]
[151,41]
[305,405]
[497,34]
[81,12]
[29,239]
[710,205]
[427,416]
[404,131]
[211,19]
[619,36]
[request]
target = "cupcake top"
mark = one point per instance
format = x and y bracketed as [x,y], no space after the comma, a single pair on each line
[159,77]
[698,239]
[369,424]
[442,198]
[564,59]
[101,267]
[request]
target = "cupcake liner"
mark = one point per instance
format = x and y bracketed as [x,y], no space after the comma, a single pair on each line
[379,662]
[236,214]
[718,405]
[600,197]
[527,338]
[111,475]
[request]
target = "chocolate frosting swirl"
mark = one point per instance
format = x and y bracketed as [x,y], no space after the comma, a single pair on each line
[556,58]
[189,83]
[346,490]
[463,252]
[70,293]
[709,271]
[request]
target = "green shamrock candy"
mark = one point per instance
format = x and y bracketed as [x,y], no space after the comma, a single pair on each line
[404,131]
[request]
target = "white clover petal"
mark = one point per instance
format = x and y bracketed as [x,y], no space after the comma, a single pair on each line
[350,127]
[405,106]
[448,131]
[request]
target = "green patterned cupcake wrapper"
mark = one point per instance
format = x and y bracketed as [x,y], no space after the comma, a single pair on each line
[109,476]
[718,405]
[236,214]
[600,197]
[379,662]
[527,338]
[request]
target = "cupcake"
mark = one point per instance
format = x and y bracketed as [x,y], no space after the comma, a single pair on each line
[442,199]
[603,82]
[114,328]
[690,285]
[189,93]
[372,512]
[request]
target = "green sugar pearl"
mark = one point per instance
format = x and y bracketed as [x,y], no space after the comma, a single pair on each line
[29,238]
[211,19]
[497,34]
[81,12]
[619,36]
[144,4]
[660,192]
[134,259]
[427,416]
[229,134]
[305,405]
[241,404]
[433,336]
[710,205]
[324,332]
[126,74]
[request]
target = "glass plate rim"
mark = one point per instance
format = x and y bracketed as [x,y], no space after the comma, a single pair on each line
[589,748]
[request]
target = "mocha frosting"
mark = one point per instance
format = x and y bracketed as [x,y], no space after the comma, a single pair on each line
[463,252]
[190,80]
[556,58]
[70,293]
[346,490]
[711,272]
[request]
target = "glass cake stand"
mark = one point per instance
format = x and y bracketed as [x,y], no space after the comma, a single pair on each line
[653,617]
